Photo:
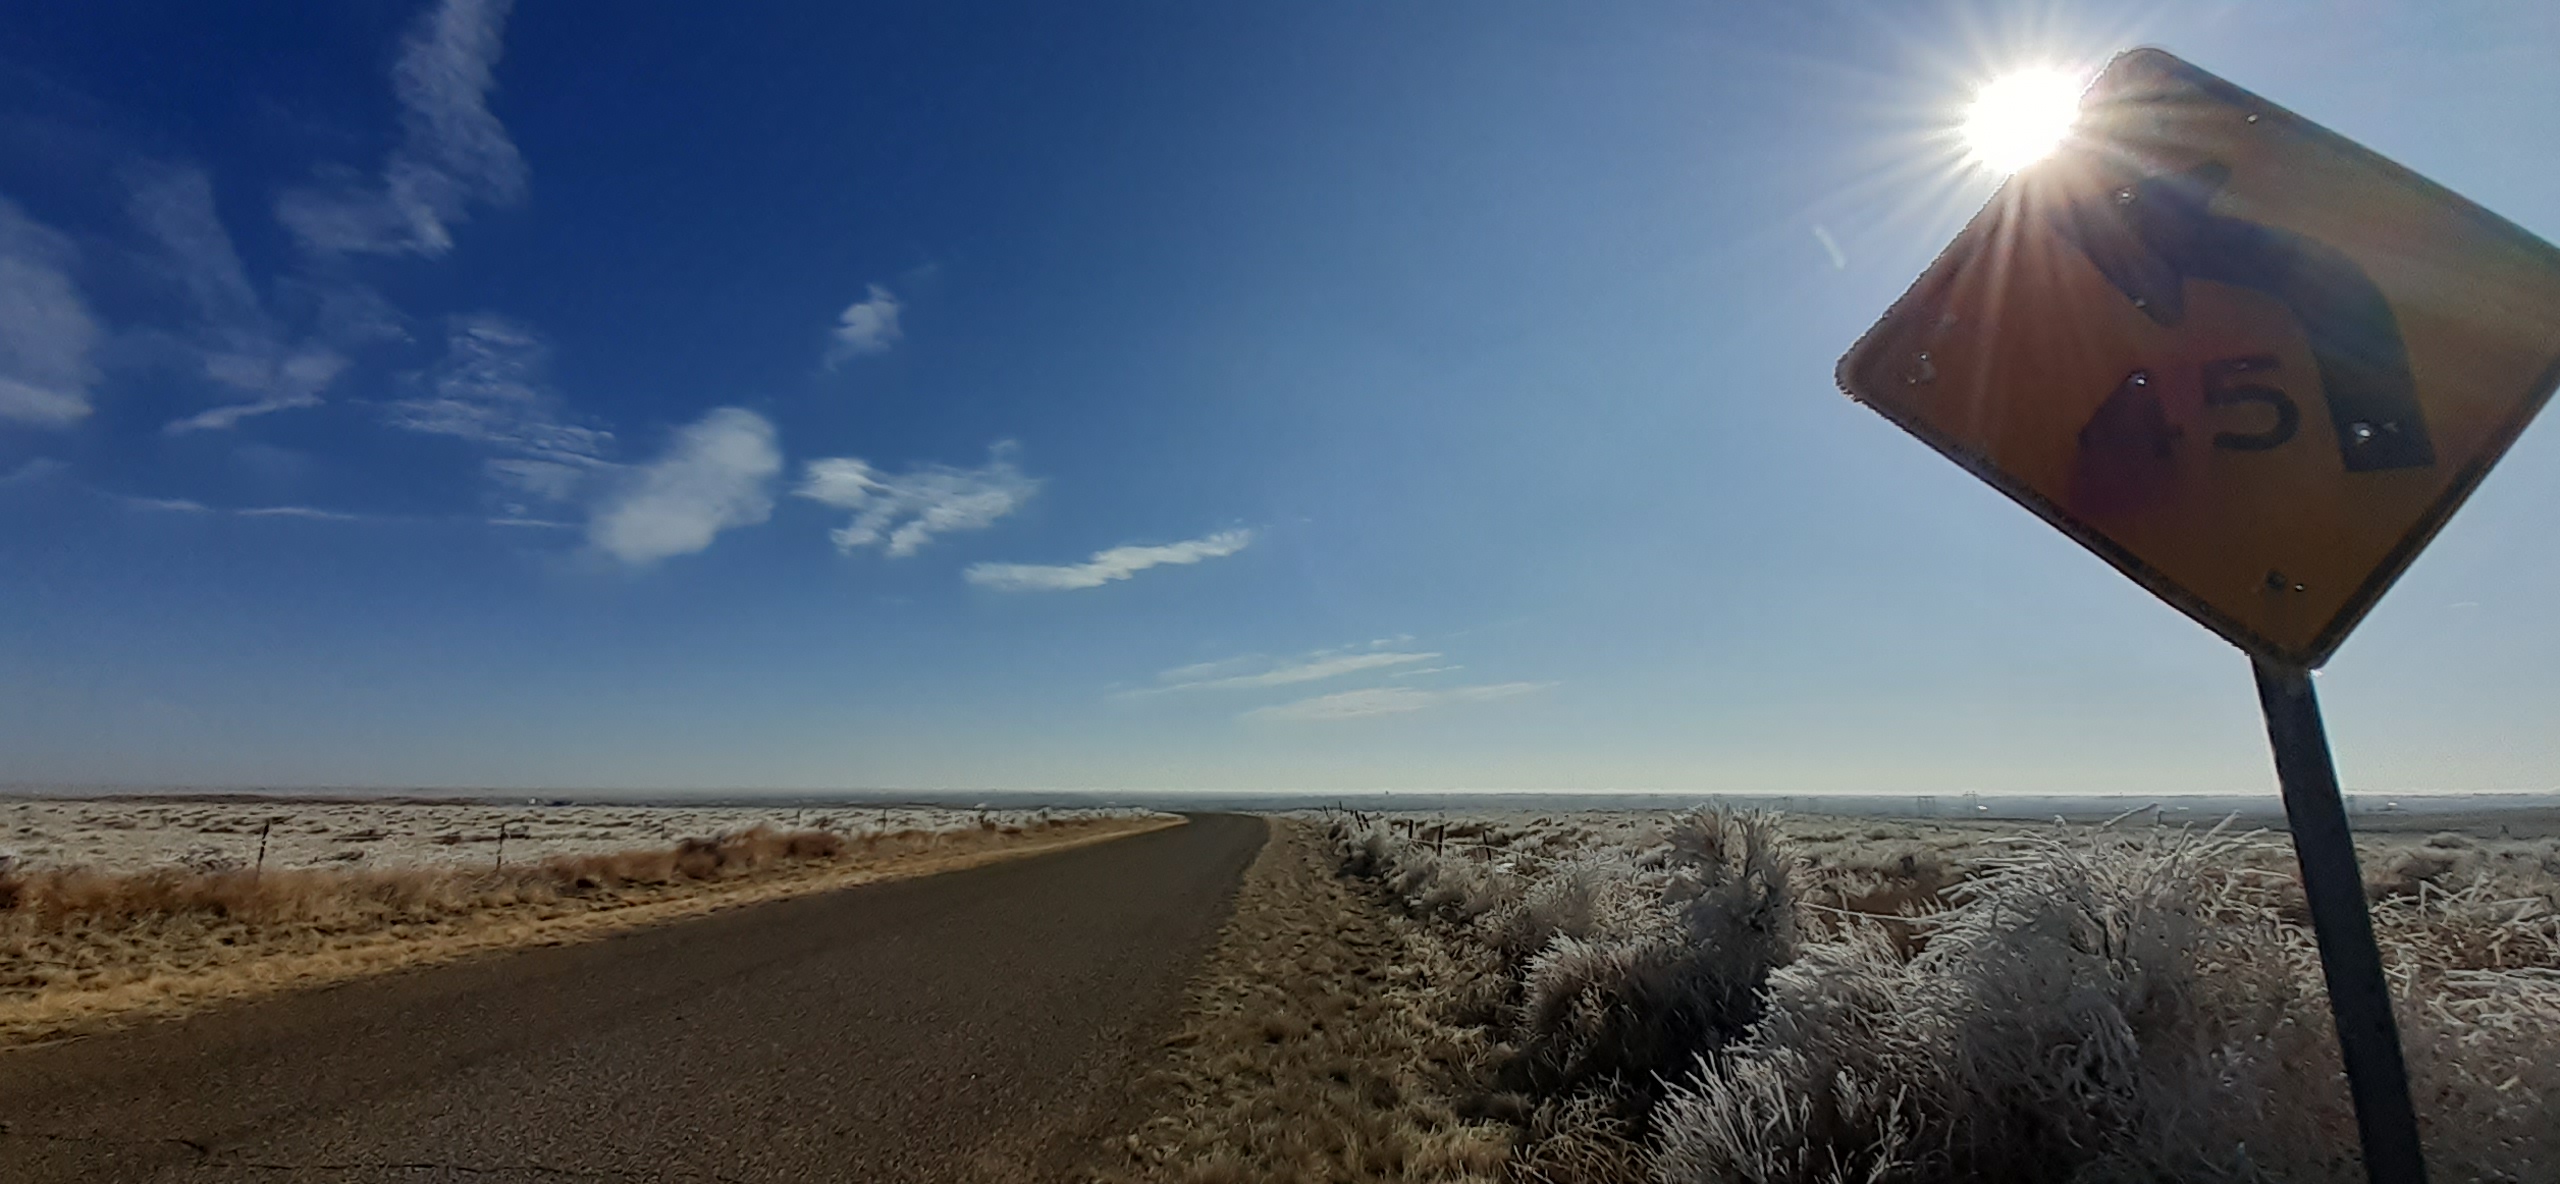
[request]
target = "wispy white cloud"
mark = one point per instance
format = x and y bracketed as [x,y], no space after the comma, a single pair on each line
[1831,247]
[1418,672]
[282,384]
[181,505]
[867,326]
[312,513]
[548,480]
[716,474]
[902,512]
[1117,563]
[1375,701]
[1251,673]
[489,389]
[453,152]
[35,471]
[238,343]
[1388,658]
[46,332]
[1203,671]
[174,206]
[174,505]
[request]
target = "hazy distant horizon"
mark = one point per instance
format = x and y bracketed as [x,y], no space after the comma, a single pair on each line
[2004,806]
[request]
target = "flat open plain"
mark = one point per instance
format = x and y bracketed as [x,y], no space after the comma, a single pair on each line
[132,833]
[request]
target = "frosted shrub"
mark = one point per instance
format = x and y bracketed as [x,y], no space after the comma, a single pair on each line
[1627,965]
[2108,1010]
[2478,969]
[1586,896]
[1644,1001]
[1370,852]
[1775,1118]
[1577,1139]
[2095,1005]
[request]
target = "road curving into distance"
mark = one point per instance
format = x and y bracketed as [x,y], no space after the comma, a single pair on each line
[974,1025]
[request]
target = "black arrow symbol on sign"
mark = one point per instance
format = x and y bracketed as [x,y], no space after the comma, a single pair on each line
[2150,237]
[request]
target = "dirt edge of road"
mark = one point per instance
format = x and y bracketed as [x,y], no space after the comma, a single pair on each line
[1310,1048]
[310,960]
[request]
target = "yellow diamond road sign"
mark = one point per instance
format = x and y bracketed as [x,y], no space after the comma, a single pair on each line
[2248,362]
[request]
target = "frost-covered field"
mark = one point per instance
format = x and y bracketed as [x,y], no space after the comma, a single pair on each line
[115,910]
[1714,997]
[133,834]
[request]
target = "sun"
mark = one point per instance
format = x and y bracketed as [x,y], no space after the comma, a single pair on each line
[2020,117]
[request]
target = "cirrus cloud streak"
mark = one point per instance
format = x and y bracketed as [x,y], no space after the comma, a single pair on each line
[1116,563]
[1250,673]
[452,154]
[46,332]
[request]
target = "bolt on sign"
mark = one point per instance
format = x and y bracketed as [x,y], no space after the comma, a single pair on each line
[2250,363]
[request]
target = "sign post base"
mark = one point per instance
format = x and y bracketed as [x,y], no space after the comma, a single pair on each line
[2360,1000]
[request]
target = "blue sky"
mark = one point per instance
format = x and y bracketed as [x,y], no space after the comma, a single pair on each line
[1323,396]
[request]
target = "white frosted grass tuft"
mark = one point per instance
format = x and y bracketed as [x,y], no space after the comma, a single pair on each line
[1716,1000]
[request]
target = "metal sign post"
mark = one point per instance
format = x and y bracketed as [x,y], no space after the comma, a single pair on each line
[2255,367]
[2359,998]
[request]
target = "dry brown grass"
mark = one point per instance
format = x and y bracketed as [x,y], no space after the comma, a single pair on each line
[1312,1051]
[83,949]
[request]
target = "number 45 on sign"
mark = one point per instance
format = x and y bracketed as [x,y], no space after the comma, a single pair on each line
[2249,363]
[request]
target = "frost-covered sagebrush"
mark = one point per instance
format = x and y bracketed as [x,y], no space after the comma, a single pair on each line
[2127,1003]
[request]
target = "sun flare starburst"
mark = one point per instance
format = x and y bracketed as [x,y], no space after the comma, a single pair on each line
[2018,118]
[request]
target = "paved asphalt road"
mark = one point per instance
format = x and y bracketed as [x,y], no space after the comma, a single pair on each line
[981,1024]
